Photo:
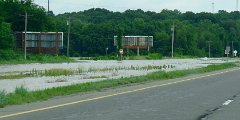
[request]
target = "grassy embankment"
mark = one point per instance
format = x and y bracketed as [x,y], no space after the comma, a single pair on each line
[21,95]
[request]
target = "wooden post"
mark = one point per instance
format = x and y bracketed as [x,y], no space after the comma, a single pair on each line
[57,40]
[138,51]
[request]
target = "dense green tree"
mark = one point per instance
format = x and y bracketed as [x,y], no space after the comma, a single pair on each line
[93,30]
[193,30]
[12,20]
[14,10]
[119,38]
[6,38]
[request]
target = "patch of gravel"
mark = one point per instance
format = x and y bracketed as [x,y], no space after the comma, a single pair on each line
[40,83]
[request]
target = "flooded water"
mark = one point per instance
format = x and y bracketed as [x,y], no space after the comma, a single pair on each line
[94,71]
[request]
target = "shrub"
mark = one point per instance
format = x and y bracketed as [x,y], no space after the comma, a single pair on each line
[105,58]
[47,58]
[154,56]
[21,91]
[58,72]
[2,99]
[184,56]
[8,55]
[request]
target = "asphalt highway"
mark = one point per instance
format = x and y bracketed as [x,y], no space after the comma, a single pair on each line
[212,96]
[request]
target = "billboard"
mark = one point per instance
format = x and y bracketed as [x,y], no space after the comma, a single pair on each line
[135,41]
[40,42]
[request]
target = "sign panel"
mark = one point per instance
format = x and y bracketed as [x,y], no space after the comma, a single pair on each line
[228,48]
[235,53]
[135,41]
[226,52]
[121,51]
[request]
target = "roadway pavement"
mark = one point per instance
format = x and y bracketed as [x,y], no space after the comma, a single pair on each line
[211,96]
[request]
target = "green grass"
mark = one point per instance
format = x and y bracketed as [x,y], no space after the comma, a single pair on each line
[2,99]
[58,72]
[184,56]
[21,91]
[22,96]
[151,56]
[96,77]
[34,58]
[51,72]
[18,76]
[154,56]
[66,72]
[135,57]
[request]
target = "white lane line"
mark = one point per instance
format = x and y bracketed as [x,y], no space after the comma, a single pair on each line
[227,102]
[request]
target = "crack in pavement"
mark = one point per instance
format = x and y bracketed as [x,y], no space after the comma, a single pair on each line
[206,115]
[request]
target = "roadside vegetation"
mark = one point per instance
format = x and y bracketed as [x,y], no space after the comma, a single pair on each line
[150,56]
[17,76]
[35,73]
[15,58]
[2,99]
[79,71]
[21,94]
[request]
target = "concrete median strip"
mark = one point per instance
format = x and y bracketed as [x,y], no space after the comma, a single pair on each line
[112,95]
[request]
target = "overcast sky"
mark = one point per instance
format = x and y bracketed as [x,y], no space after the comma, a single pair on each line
[62,6]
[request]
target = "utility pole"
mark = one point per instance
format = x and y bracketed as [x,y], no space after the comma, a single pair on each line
[48,6]
[173,34]
[69,27]
[25,40]
[232,49]
[25,33]
[213,7]
[237,2]
[93,1]
[209,48]
[106,51]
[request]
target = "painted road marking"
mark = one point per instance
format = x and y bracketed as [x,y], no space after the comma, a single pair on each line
[107,96]
[227,102]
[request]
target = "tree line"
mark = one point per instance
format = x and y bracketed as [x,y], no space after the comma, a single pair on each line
[93,30]
[12,20]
